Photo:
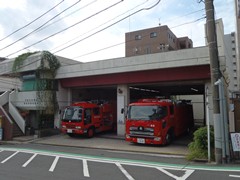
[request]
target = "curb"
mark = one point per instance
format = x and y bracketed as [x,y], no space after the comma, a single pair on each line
[113,148]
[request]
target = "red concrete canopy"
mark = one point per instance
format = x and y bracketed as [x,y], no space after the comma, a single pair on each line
[148,76]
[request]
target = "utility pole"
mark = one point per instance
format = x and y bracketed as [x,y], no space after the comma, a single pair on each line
[215,76]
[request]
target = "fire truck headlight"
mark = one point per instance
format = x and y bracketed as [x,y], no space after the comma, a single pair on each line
[157,139]
[78,127]
[63,126]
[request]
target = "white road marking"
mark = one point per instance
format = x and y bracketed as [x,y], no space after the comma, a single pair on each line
[138,163]
[184,177]
[235,176]
[26,163]
[85,168]
[5,160]
[129,177]
[54,164]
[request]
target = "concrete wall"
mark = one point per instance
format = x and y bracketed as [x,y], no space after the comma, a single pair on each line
[180,58]
[8,83]
[64,98]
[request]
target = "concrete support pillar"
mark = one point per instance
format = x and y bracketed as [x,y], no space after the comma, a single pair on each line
[123,97]
[64,98]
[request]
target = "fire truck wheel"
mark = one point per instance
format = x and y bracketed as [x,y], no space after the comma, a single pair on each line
[90,132]
[169,137]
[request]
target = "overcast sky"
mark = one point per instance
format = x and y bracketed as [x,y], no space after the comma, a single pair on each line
[93,30]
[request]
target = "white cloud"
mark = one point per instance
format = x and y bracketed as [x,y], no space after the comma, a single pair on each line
[17,4]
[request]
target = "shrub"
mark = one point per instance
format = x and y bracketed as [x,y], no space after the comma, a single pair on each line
[198,149]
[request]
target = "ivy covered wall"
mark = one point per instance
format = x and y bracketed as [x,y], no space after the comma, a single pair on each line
[42,80]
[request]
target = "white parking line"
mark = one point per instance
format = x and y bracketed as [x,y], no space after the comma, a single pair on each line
[26,163]
[10,157]
[185,176]
[124,171]
[85,168]
[234,176]
[54,164]
[129,162]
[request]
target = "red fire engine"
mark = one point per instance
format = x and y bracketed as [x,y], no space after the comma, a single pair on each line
[88,118]
[154,121]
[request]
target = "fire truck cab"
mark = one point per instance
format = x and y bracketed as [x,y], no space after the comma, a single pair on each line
[156,121]
[87,118]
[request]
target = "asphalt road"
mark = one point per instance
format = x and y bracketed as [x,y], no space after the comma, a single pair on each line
[38,162]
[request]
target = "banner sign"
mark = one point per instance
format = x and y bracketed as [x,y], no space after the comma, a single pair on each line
[235,137]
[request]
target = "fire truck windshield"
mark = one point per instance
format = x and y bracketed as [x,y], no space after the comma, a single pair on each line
[73,114]
[146,112]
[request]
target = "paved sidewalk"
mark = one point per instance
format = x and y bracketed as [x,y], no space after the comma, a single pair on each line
[105,141]
[111,143]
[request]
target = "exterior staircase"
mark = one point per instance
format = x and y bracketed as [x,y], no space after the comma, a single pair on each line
[16,131]
[9,114]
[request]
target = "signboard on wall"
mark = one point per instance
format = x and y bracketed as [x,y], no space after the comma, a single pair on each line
[235,137]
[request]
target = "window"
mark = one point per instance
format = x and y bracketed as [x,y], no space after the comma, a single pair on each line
[87,116]
[138,37]
[145,113]
[73,114]
[96,111]
[29,85]
[153,34]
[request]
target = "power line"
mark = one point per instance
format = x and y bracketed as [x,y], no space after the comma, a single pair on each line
[117,44]
[39,26]
[31,22]
[66,16]
[114,45]
[67,27]
[189,22]
[175,18]
[97,27]
[109,26]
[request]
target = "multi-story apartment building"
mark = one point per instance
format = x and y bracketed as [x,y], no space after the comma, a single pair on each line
[231,64]
[237,37]
[154,40]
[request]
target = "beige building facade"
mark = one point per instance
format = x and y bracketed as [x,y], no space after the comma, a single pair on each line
[154,40]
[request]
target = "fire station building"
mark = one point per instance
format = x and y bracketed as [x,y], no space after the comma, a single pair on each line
[170,68]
